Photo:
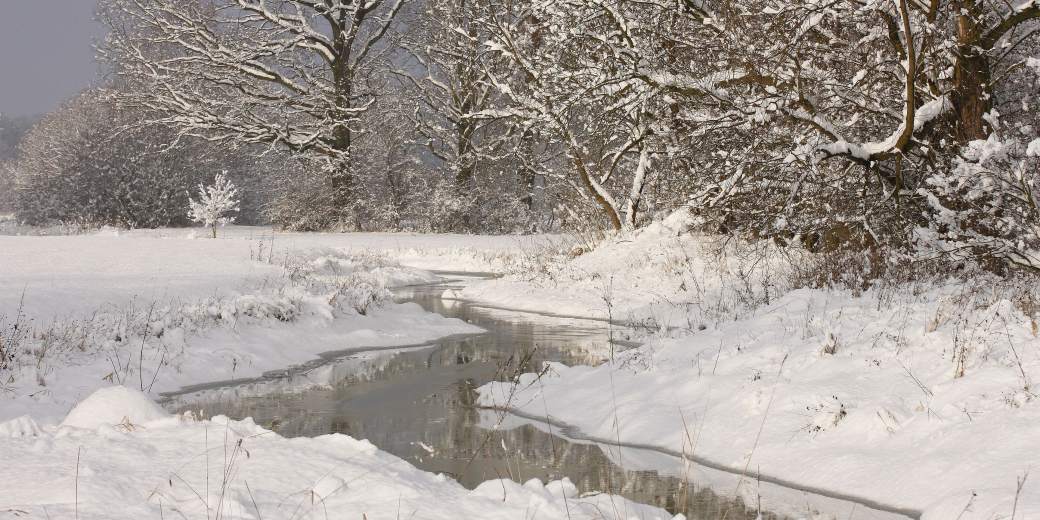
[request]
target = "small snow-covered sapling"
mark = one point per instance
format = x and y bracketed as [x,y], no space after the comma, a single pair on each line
[216,205]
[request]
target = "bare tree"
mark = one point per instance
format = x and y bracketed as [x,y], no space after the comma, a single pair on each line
[577,66]
[456,117]
[295,74]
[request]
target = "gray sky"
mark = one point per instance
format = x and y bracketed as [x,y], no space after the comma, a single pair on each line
[46,53]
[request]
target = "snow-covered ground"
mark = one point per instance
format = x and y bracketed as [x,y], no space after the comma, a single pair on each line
[109,321]
[81,312]
[917,395]
[118,455]
[659,278]
[161,309]
[78,274]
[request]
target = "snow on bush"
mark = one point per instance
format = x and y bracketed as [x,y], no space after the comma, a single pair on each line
[14,332]
[987,205]
[658,277]
[327,262]
[216,203]
[361,292]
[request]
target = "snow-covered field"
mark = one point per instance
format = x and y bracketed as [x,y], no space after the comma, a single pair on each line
[109,321]
[162,309]
[66,275]
[918,395]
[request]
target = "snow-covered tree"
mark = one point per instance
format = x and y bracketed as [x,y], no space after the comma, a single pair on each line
[453,96]
[835,123]
[571,64]
[289,74]
[880,124]
[217,203]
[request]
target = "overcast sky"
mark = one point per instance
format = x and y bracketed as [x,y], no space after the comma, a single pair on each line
[46,53]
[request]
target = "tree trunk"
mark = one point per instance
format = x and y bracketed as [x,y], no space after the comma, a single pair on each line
[341,177]
[972,99]
[465,175]
[972,77]
[608,209]
[342,184]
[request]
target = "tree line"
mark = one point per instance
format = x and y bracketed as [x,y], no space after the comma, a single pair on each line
[904,126]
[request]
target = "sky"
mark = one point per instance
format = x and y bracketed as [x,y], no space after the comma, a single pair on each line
[46,53]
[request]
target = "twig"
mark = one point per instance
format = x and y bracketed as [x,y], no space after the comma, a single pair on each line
[78,452]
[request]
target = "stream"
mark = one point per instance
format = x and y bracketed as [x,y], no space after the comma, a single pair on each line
[416,402]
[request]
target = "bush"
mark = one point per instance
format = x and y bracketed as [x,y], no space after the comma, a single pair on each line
[91,163]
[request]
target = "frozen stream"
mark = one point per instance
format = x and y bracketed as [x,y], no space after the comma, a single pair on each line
[416,402]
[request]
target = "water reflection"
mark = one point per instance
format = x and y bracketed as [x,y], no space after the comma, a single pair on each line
[417,404]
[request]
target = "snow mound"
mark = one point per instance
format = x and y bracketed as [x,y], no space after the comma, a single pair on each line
[114,405]
[22,426]
[560,499]
[328,477]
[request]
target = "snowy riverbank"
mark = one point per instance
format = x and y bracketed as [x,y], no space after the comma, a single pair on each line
[123,317]
[894,395]
[920,396]
[160,309]
[158,315]
[118,455]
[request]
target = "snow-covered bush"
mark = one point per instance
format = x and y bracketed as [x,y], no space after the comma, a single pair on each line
[14,333]
[12,130]
[361,292]
[7,198]
[216,205]
[986,206]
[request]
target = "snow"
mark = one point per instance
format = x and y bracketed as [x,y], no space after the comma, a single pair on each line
[924,114]
[629,278]
[919,396]
[158,310]
[62,276]
[23,426]
[75,275]
[181,467]
[1033,149]
[112,406]
[109,322]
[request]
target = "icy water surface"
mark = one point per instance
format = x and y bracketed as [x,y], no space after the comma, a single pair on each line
[417,402]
